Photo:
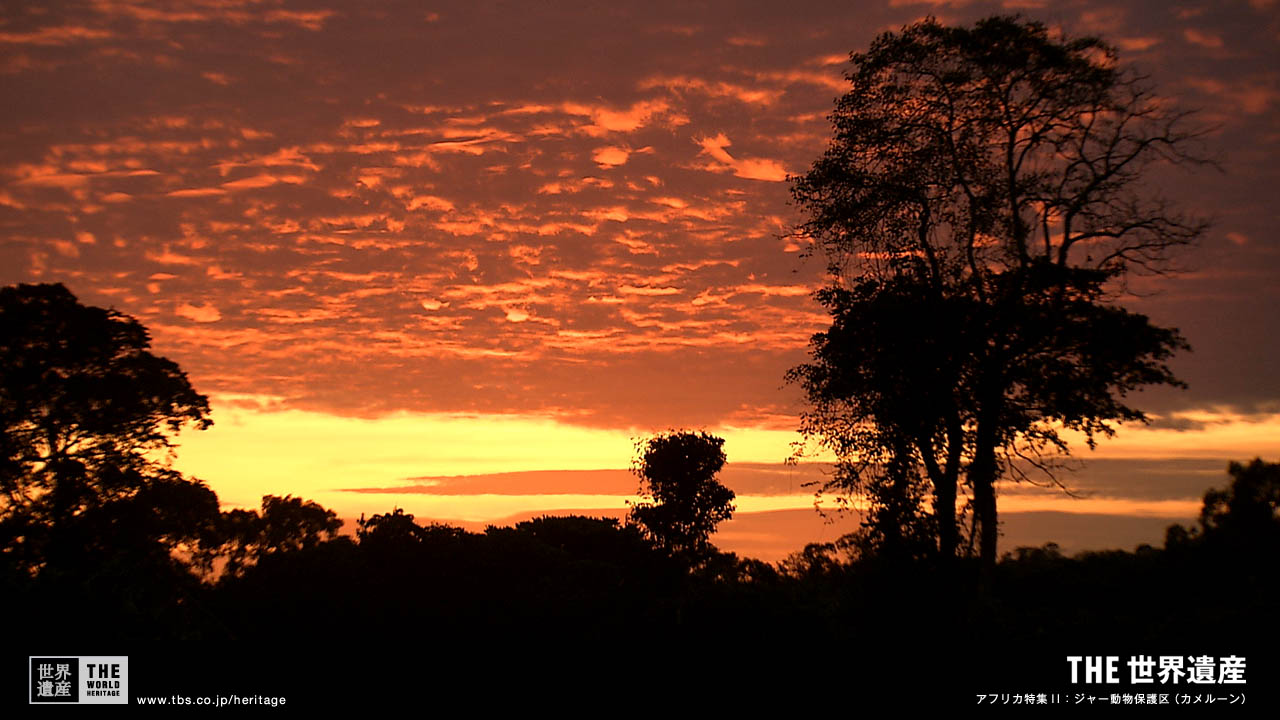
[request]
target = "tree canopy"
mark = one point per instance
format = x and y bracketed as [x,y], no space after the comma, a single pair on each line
[683,502]
[87,419]
[285,524]
[983,198]
[1243,517]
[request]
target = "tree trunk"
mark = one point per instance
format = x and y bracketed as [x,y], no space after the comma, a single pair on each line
[982,476]
[944,506]
[945,480]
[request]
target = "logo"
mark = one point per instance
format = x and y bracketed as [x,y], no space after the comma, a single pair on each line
[88,680]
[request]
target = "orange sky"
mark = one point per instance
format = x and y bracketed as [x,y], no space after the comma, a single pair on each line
[394,242]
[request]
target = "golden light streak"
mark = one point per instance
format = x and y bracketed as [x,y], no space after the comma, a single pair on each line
[255,448]
[1215,434]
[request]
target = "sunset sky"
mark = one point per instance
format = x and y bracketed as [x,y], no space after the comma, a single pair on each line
[425,255]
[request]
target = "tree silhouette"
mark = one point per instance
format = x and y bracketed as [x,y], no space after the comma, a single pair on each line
[980,204]
[395,530]
[87,415]
[1242,518]
[290,523]
[683,502]
[285,524]
[1250,505]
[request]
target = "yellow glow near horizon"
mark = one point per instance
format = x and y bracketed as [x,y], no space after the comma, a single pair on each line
[254,451]
[251,452]
[1223,435]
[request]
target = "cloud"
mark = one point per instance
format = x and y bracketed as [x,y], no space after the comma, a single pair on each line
[167,257]
[1201,38]
[291,156]
[49,176]
[749,168]
[645,290]
[58,35]
[1249,95]
[610,156]
[719,89]
[232,12]
[397,234]
[261,181]
[606,119]
[204,313]
[430,202]
[217,78]
[831,80]
[196,192]
[1137,44]
[312,20]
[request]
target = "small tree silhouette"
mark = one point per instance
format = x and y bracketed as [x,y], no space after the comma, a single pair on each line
[682,502]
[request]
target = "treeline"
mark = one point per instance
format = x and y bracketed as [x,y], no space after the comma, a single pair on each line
[279,592]
[284,575]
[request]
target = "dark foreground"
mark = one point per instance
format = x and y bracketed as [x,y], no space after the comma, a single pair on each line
[577,611]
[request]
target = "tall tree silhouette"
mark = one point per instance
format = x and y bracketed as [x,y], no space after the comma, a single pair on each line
[683,502]
[982,200]
[87,417]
